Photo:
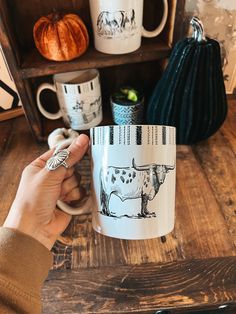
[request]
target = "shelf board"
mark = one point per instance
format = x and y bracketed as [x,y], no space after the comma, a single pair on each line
[12,113]
[34,65]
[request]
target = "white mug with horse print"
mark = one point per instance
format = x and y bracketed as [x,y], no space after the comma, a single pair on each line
[117,25]
[79,98]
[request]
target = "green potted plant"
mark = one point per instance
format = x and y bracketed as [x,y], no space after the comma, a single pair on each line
[127,105]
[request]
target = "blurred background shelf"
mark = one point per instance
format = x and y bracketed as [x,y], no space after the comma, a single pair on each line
[141,68]
[34,65]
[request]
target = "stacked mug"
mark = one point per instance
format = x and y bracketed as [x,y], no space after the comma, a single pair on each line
[79,98]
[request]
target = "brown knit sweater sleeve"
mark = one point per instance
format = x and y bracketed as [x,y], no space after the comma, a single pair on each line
[24,265]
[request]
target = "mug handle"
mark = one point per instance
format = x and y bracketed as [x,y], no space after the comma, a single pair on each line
[49,115]
[84,207]
[62,138]
[159,29]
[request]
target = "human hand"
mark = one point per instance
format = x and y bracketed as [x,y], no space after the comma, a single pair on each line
[34,209]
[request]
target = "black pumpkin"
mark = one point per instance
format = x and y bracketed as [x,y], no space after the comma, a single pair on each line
[191,93]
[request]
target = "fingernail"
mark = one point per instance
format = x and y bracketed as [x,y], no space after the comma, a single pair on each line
[82,140]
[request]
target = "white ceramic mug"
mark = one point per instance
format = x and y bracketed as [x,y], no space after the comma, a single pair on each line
[133,181]
[79,98]
[117,25]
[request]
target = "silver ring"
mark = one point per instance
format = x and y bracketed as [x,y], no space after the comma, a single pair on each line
[58,159]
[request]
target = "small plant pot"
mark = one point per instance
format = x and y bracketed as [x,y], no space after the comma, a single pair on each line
[125,111]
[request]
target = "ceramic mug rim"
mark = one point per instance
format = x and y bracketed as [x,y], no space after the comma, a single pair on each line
[60,77]
[133,126]
[134,104]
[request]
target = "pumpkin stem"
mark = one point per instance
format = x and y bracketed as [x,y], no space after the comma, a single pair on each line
[56,17]
[198,29]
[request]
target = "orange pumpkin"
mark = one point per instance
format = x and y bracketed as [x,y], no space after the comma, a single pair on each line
[61,37]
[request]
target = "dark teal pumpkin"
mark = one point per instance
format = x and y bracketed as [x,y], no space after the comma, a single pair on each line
[191,93]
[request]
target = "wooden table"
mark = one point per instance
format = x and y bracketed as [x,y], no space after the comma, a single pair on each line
[191,269]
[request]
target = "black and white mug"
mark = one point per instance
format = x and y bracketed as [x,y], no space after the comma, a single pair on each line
[117,25]
[79,98]
[133,181]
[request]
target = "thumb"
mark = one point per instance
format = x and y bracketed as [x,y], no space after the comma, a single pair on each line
[77,149]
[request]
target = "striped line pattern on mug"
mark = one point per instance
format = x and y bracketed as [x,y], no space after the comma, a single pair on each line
[143,135]
[80,88]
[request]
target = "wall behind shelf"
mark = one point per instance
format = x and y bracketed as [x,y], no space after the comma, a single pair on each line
[219,20]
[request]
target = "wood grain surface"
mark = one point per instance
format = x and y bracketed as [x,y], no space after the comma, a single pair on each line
[143,288]
[192,268]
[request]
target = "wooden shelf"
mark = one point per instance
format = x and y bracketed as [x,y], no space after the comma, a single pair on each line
[34,65]
[12,113]
[141,68]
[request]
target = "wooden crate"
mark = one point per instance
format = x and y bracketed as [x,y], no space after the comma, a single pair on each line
[142,68]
